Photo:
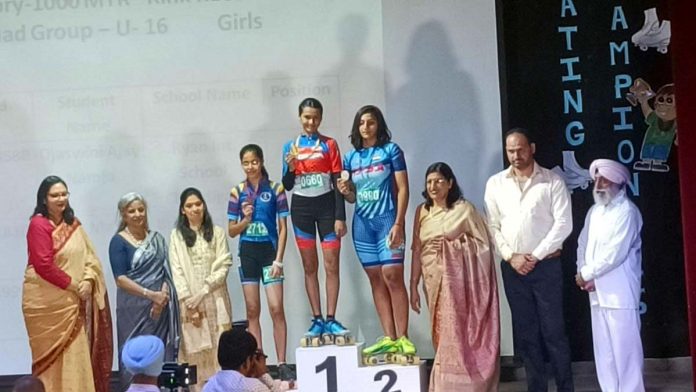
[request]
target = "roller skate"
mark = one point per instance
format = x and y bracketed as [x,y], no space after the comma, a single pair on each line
[383,351]
[313,337]
[653,34]
[406,354]
[336,333]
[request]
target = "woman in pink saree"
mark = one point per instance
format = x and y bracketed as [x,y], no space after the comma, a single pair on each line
[64,301]
[452,252]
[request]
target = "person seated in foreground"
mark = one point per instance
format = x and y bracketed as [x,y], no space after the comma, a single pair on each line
[243,366]
[28,384]
[143,357]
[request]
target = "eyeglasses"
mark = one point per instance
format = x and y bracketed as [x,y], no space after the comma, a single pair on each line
[436,181]
[59,194]
[259,354]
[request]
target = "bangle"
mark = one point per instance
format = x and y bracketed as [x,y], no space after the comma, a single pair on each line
[145,290]
[278,264]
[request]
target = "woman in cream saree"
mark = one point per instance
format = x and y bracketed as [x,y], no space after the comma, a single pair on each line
[451,250]
[64,300]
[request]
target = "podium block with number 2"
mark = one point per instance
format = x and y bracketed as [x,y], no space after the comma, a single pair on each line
[337,369]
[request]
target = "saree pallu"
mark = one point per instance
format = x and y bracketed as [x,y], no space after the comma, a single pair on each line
[70,339]
[462,296]
[149,269]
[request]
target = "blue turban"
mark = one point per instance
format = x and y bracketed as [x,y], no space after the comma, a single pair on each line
[144,355]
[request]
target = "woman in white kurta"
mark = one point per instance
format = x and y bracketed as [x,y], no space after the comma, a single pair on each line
[200,258]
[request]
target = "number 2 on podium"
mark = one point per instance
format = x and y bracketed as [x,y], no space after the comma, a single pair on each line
[329,365]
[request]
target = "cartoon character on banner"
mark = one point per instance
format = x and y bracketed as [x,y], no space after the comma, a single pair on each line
[662,124]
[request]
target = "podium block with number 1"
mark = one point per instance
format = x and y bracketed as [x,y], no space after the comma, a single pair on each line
[337,369]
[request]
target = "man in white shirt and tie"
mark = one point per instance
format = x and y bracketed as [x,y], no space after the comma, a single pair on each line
[529,216]
[609,268]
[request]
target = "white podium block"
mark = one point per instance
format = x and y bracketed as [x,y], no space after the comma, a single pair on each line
[327,368]
[337,369]
[393,378]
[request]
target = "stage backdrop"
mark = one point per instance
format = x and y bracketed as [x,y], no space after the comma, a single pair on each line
[156,95]
[573,73]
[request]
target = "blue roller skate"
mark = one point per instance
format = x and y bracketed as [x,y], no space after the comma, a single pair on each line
[336,333]
[313,337]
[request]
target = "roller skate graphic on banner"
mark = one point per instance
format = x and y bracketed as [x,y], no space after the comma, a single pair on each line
[653,34]
[574,175]
[661,120]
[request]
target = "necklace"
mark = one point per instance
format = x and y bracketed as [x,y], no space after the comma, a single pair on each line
[136,241]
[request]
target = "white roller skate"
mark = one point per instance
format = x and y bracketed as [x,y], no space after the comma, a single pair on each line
[653,34]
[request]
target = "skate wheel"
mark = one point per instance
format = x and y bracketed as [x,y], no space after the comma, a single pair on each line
[644,48]
[327,339]
[349,340]
[316,342]
[389,357]
[303,342]
[370,361]
[340,341]
[662,50]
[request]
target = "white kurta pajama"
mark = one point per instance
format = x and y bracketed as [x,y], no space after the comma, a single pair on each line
[609,253]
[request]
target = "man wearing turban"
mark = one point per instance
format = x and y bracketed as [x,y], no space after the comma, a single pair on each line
[609,269]
[143,357]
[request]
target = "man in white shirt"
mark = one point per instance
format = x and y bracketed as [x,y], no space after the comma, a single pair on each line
[529,216]
[243,366]
[609,268]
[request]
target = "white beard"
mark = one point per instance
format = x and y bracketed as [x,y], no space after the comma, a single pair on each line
[605,196]
[601,197]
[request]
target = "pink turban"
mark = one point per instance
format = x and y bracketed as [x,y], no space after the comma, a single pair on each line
[611,170]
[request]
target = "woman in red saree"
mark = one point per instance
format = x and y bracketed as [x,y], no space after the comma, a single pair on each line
[64,300]
[452,252]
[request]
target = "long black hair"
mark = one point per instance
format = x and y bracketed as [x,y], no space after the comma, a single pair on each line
[256,150]
[42,195]
[310,103]
[383,133]
[182,224]
[454,194]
